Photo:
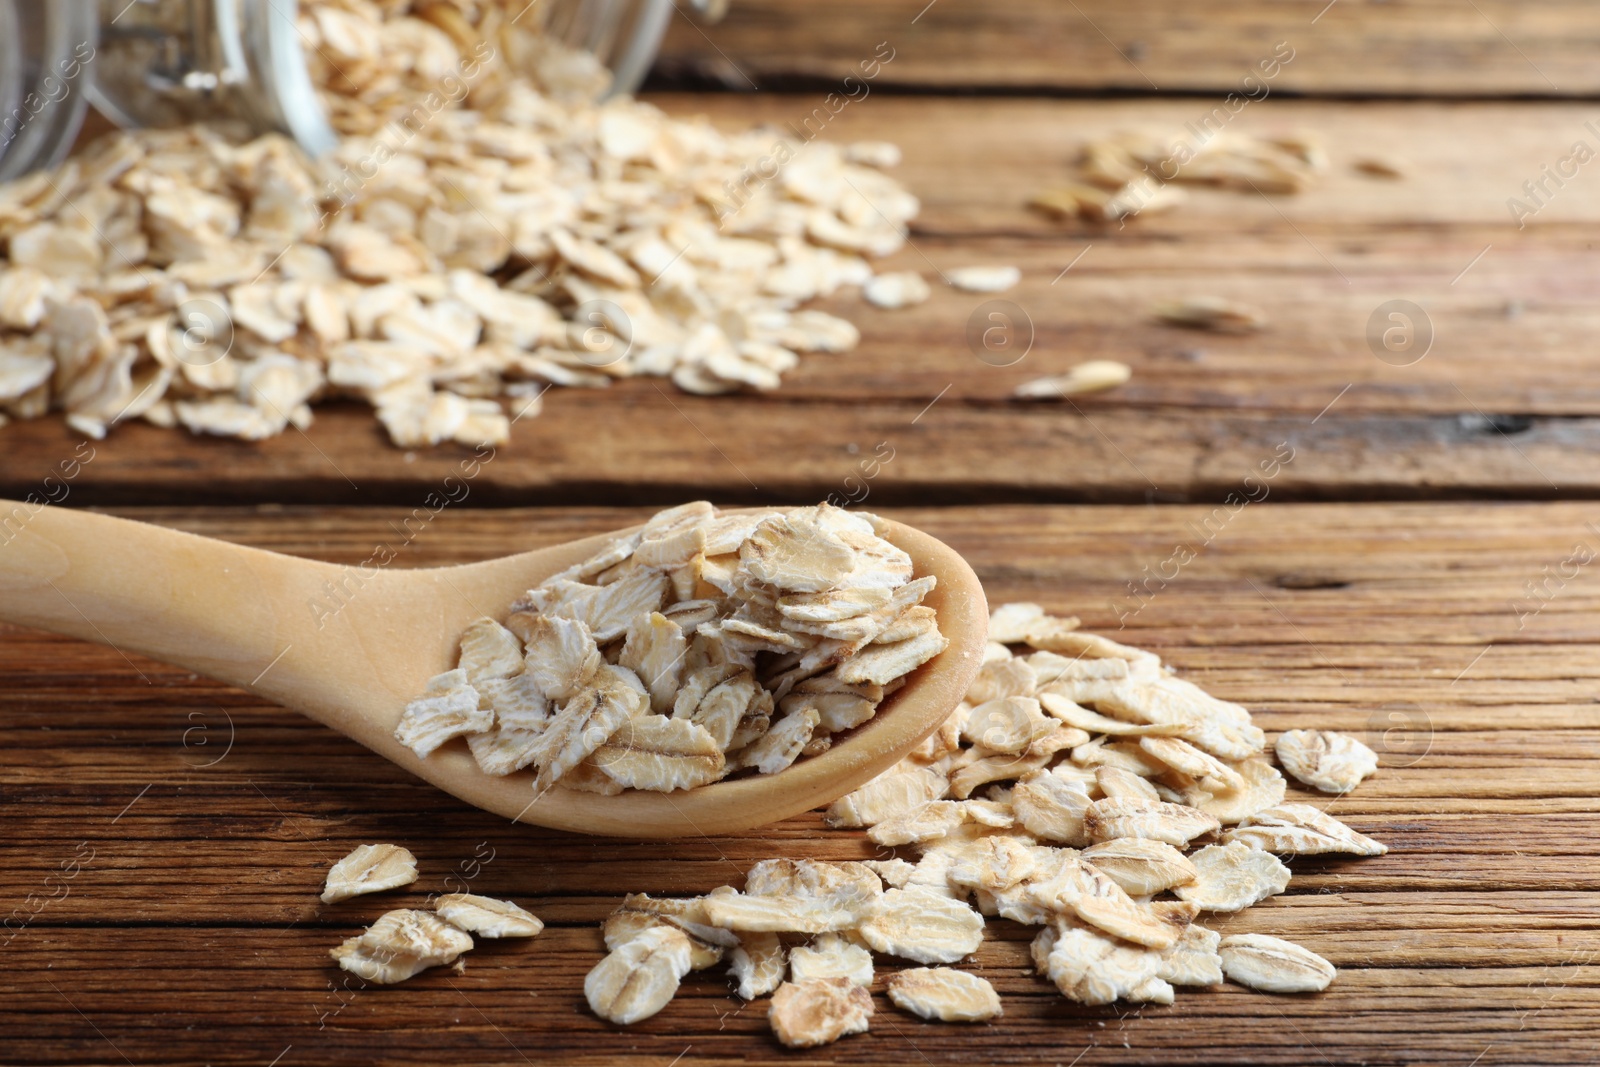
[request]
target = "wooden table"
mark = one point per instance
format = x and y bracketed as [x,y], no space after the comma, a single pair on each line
[1382,586]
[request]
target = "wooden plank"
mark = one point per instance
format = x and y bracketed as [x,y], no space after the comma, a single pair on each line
[1418,47]
[1201,412]
[193,934]
[635,444]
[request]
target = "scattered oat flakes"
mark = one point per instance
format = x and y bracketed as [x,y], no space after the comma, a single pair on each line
[819,1011]
[439,270]
[1007,724]
[1274,965]
[640,911]
[1231,160]
[944,994]
[1109,930]
[1332,762]
[486,916]
[625,924]
[369,869]
[930,822]
[1072,201]
[1009,623]
[987,279]
[1095,376]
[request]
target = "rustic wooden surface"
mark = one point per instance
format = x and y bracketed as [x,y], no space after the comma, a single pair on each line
[194,933]
[1453,635]
[1356,47]
[1502,405]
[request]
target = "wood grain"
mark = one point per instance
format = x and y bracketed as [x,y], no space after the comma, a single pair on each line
[1410,47]
[1502,405]
[194,934]
[636,445]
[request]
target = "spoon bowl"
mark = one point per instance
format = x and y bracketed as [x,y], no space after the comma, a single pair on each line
[350,646]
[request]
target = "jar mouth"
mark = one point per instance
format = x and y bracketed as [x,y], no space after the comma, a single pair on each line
[46,54]
[229,58]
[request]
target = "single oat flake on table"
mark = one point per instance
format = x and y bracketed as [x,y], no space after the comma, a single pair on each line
[486,916]
[489,227]
[1095,376]
[944,994]
[817,1011]
[400,944]
[983,279]
[705,645]
[369,869]
[1211,313]
[1332,762]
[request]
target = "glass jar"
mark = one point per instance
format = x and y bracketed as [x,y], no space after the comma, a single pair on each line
[46,52]
[167,62]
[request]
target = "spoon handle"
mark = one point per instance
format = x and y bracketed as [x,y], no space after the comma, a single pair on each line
[221,609]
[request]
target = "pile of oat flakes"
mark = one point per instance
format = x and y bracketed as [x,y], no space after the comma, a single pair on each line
[702,645]
[1099,769]
[484,232]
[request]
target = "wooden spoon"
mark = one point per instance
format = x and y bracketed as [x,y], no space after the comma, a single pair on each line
[351,646]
